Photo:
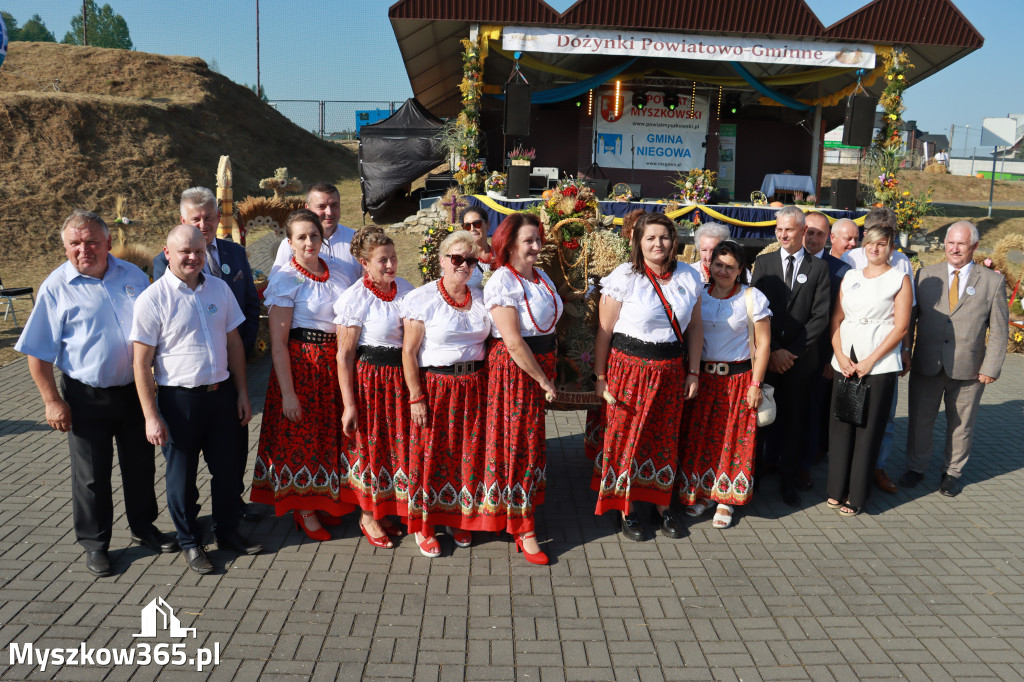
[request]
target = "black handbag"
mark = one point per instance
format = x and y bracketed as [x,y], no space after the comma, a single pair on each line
[851,401]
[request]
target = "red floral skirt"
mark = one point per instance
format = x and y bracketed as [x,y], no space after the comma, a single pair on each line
[446,459]
[716,447]
[377,459]
[515,456]
[297,463]
[640,451]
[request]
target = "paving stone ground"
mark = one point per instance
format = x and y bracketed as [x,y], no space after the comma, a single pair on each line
[920,587]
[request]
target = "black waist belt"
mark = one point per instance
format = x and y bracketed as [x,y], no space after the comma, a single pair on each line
[459,368]
[725,369]
[306,335]
[208,388]
[649,350]
[541,345]
[75,382]
[382,356]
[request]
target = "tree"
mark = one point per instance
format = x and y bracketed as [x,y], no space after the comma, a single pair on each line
[12,26]
[261,92]
[35,31]
[103,28]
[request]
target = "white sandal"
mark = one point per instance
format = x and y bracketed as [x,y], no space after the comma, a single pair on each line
[698,508]
[723,517]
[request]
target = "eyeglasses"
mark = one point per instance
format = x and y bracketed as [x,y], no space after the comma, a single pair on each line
[458,259]
[472,223]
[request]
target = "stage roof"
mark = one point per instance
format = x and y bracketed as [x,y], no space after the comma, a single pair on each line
[933,33]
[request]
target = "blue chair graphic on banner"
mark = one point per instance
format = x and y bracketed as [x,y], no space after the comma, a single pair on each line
[610,143]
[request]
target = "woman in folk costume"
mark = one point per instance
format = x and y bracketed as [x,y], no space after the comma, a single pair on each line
[520,377]
[720,426]
[297,458]
[376,414]
[642,363]
[446,328]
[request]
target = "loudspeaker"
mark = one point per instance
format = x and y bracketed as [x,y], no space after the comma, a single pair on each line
[860,120]
[636,190]
[518,182]
[517,109]
[844,194]
[600,187]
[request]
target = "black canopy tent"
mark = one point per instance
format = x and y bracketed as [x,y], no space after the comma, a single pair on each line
[396,151]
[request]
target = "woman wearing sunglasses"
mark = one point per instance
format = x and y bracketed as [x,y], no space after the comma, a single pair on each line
[520,375]
[376,414]
[474,220]
[446,326]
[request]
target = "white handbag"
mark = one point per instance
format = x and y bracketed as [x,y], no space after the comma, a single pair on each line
[766,411]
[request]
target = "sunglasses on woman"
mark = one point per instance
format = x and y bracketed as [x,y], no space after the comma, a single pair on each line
[458,259]
[472,223]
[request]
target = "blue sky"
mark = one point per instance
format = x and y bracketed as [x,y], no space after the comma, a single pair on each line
[345,50]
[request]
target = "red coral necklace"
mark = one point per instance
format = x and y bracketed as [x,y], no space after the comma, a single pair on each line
[309,275]
[450,300]
[389,296]
[536,279]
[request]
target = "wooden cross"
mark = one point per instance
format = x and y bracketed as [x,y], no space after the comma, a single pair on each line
[454,203]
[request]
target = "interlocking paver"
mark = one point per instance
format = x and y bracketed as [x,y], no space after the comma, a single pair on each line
[922,586]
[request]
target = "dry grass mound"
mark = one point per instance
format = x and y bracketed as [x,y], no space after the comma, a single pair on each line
[80,125]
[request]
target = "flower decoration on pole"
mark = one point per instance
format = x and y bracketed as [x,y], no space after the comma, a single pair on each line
[897,63]
[452,204]
[460,136]
[910,211]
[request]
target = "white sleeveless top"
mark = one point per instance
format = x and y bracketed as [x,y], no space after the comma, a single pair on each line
[868,316]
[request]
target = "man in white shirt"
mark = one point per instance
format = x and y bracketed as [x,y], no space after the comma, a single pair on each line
[324,200]
[229,262]
[857,259]
[81,323]
[186,336]
[844,237]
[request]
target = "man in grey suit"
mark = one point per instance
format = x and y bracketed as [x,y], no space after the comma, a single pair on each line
[958,302]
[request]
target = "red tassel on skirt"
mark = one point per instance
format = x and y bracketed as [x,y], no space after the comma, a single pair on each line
[716,446]
[446,459]
[640,451]
[515,456]
[377,459]
[297,463]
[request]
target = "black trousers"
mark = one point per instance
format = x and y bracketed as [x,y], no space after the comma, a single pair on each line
[206,422]
[99,417]
[784,440]
[853,450]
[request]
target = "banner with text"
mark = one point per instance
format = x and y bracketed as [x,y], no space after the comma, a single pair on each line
[655,137]
[679,46]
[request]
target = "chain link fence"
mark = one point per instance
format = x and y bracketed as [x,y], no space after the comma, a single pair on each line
[334,119]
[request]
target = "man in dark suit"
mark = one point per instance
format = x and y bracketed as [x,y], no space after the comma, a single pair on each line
[958,304]
[227,261]
[815,237]
[797,288]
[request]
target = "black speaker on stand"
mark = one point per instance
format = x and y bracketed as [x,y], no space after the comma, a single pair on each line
[859,124]
[517,108]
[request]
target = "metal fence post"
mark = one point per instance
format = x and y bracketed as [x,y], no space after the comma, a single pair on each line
[322,107]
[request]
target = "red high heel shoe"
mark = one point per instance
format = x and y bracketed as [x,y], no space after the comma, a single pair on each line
[463,538]
[383,541]
[538,558]
[391,529]
[319,534]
